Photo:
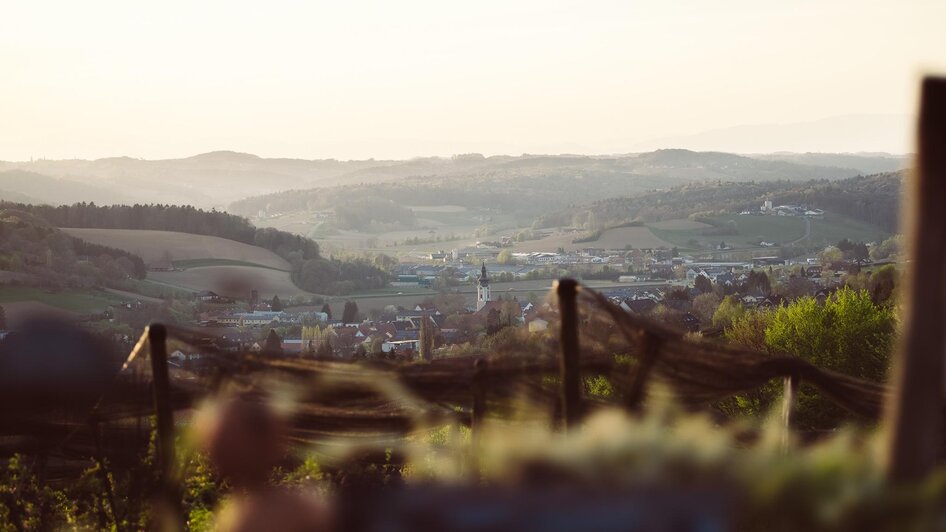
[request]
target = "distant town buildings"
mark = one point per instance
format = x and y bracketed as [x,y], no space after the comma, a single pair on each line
[767,209]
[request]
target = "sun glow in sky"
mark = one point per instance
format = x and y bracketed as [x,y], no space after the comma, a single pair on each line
[360,79]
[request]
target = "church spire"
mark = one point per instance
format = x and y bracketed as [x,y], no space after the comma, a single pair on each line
[483,295]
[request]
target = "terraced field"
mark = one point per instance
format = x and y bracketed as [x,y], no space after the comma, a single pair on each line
[617,238]
[153,246]
[230,280]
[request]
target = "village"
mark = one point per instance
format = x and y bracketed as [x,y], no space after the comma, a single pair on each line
[683,291]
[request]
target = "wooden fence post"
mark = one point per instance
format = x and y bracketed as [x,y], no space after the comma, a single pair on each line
[569,372]
[170,513]
[790,386]
[914,414]
[479,411]
[649,351]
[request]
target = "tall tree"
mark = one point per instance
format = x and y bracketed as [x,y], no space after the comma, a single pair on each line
[703,284]
[350,313]
[276,304]
[3,318]
[273,343]
[325,349]
[426,339]
[327,310]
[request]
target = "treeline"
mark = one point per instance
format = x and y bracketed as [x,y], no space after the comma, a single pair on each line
[310,271]
[336,277]
[88,249]
[526,192]
[873,199]
[363,213]
[181,218]
[533,185]
[48,257]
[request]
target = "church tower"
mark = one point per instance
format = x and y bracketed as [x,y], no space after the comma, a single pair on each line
[482,289]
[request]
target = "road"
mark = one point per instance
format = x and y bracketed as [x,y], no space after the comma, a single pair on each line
[807,232]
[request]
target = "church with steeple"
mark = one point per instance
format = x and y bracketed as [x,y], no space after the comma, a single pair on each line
[482,289]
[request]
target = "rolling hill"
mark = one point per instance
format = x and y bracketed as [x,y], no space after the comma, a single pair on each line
[201,262]
[31,187]
[156,246]
[218,179]
[530,186]
[874,200]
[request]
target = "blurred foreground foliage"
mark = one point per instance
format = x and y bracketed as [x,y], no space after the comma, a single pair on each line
[773,484]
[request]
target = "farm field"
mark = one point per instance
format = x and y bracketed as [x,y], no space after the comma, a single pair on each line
[781,230]
[637,237]
[454,225]
[678,224]
[22,301]
[231,281]
[153,246]
[617,238]
[200,263]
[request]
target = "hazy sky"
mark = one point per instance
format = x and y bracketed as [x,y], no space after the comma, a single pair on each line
[353,79]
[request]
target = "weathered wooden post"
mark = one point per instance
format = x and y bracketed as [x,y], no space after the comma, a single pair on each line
[650,350]
[170,513]
[567,290]
[478,413]
[914,415]
[790,387]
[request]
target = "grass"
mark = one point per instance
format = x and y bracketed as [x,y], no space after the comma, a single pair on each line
[198,263]
[80,302]
[147,287]
[781,230]
[231,280]
[153,246]
[393,290]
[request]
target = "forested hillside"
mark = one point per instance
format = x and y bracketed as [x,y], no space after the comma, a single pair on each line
[874,199]
[42,253]
[311,272]
[527,186]
[185,219]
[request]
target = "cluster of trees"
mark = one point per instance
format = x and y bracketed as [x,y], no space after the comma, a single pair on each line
[181,218]
[849,333]
[874,199]
[350,312]
[890,247]
[57,260]
[362,212]
[336,277]
[311,271]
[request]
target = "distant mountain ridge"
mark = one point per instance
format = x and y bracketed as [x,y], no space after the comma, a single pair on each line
[218,179]
[530,186]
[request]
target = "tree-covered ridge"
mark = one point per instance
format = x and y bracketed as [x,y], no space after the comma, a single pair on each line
[29,245]
[220,178]
[527,185]
[874,199]
[310,271]
[181,218]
